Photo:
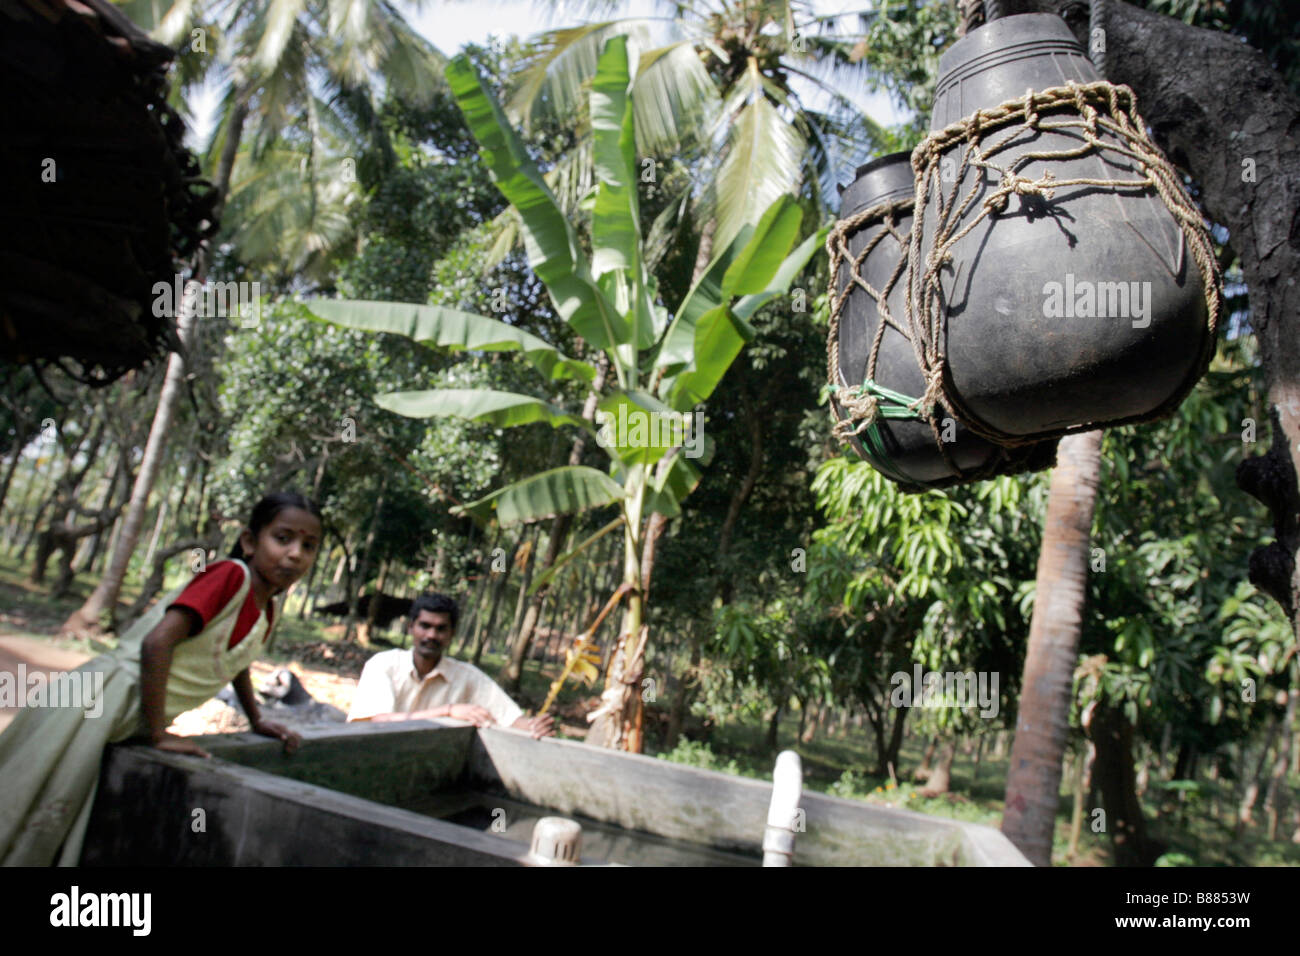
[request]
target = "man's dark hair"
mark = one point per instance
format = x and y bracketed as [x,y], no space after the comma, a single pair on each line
[437,604]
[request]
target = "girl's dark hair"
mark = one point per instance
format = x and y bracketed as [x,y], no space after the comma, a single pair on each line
[264,513]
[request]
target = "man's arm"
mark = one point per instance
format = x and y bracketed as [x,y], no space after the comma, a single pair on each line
[473,713]
[539,727]
[506,712]
[375,697]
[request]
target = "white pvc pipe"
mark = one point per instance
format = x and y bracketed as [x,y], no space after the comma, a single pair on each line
[783,813]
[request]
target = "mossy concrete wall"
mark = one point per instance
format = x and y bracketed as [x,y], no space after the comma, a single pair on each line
[722,811]
[155,808]
[337,802]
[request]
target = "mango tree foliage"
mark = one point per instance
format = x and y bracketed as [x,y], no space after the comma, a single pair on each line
[930,579]
[296,402]
[1174,635]
[1184,639]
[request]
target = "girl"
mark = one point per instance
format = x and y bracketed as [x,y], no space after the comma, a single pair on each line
[177,656]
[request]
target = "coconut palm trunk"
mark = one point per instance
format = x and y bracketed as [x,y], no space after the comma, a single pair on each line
[101,607]
[1034,777]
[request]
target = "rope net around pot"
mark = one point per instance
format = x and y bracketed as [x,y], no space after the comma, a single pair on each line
[1089,108]
[866,404]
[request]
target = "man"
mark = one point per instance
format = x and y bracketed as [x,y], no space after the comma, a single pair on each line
[422,683]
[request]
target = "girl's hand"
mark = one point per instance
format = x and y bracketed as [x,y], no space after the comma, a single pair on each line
[269,728]
[179,745]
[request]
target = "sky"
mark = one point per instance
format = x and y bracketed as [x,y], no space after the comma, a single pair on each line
[450,24]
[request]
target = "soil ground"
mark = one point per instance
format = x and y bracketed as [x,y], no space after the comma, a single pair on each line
[214,717]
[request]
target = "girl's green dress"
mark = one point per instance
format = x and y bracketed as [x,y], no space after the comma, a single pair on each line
[50,756]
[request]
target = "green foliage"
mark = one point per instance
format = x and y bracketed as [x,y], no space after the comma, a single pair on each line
[852,785]
[931,578]
[714,100]
[901,46]
[1181,629]
[607,298]
[296,397]
[698,754]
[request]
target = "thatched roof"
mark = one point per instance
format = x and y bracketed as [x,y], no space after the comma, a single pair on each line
[101,199]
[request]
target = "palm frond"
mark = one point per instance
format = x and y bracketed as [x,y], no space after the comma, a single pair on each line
[558,63]
[764,158]
[673,96]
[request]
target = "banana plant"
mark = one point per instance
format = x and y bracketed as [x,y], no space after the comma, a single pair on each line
[664,363]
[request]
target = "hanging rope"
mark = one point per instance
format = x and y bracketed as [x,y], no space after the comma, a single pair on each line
[866,404]
[862,404]
[1089,110]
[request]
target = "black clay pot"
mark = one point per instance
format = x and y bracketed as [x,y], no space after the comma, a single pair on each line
[1085,307]
[904,450]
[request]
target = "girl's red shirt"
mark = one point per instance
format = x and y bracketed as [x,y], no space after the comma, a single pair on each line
[211,590]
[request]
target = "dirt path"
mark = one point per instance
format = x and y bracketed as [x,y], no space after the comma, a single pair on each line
[37,656]
[213,717]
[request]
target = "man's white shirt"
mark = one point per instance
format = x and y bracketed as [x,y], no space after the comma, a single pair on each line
[390,685]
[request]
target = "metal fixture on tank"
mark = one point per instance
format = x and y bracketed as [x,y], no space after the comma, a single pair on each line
[557,841]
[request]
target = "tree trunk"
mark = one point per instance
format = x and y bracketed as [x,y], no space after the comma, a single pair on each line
[940,778]
[11,528]
[521,602]
[63,502]
[683,692]
[532,609]
[617,722]
[376,596]
[1113,770]
[1082,785]
[975,764]
[559,534]
[1034,776]
[199,515]
[47,497]
[157,531]
[103,600]
[307,594]
[480,639]
[354,587]
[895,738]
[922,772]
[154,583]
[121,476]
[773,729]
[1246,811]
[1275,797]
[809,730]
[473,623]
[15,455]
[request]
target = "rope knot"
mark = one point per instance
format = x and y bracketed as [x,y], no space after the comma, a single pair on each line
[1031,114]
[933,390]
[860,410]
[1020,186]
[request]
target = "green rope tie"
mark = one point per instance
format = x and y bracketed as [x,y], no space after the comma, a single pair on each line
[895,405]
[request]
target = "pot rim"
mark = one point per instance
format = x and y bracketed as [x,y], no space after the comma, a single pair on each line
[957,54]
